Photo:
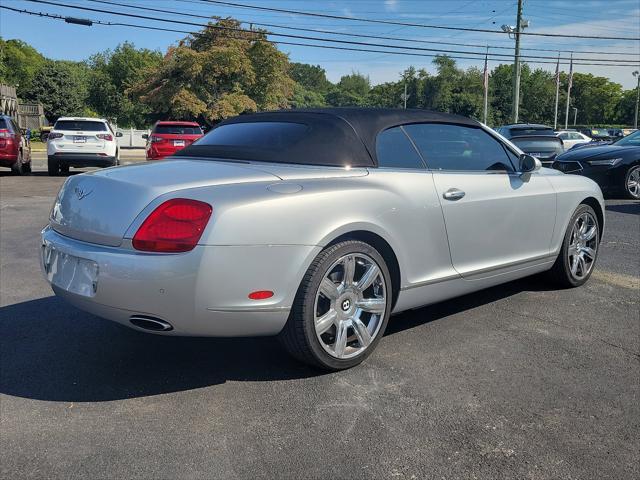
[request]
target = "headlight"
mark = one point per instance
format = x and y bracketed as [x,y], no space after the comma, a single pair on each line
[609,162]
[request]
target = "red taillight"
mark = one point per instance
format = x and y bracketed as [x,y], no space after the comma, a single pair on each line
[155,139]
[105,136]
[6,134]
[175,226]
[54,135]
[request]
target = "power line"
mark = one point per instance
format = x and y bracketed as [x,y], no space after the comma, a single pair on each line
[393,22]
[379,37]
[319,39]
[330,47]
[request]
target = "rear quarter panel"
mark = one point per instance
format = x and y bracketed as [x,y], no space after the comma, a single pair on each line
[400,207]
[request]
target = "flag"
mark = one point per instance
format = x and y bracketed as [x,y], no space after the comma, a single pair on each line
[571,73]
[557,77]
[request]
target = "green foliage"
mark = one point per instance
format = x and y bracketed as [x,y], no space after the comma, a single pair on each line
[306,98]
[58,85]
[311,77]
[19,64]
[350,91]
[215,75]
[112,73]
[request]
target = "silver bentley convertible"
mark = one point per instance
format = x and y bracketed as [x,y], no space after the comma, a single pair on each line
[316,226]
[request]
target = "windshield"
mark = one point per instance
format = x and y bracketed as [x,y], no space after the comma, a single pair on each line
[538,145]
[177,129]
[632,140]
[80,125]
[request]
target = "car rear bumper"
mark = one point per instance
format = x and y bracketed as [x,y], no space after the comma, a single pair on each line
[7,159]
[203,292]
[84,159]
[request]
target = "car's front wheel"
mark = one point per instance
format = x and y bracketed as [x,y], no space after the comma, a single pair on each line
[632,182]
[341,308]
[579,251]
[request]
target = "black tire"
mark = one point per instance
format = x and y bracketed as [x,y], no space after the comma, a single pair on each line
[635,171]
[299,336]
[64,169]
[53,167]
[561,272]
[18,167]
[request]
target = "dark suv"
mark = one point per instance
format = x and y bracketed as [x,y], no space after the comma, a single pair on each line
[15,151]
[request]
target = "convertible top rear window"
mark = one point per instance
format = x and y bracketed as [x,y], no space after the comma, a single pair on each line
[272,135]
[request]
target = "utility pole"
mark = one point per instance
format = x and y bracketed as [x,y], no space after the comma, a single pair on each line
[404,95]
[555,116]
[516,66]
[485,87]
[566,113]
[635,121]
[575,116]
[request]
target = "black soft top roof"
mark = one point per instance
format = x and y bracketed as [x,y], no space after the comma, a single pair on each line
[335,136]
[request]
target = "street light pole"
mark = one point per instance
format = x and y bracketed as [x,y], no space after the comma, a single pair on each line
[635,121]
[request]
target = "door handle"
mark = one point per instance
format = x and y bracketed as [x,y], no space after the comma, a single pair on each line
[453,194]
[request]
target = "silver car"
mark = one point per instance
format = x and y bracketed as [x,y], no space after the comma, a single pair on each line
[316,226]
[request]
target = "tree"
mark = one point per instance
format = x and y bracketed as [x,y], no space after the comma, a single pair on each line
[112,73]
[306,98]
[311,77]
[58,86]
[216,74]
[350,91]
[19,64]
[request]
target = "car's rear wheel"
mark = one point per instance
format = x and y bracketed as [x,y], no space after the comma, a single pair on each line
[18,167]
[632,182]
[341,308]
[53,167]
[579,251]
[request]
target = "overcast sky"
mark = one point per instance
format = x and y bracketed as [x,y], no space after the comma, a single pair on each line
[620,18]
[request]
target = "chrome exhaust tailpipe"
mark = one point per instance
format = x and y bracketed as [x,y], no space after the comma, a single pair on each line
[150,323]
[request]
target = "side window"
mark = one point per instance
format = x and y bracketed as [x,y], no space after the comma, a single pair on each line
[456,147]
[564,136]
[394,150]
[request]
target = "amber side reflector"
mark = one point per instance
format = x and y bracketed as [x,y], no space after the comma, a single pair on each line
[261,295]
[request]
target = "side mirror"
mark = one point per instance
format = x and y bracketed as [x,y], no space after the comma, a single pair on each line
[145,136]
[118,134]
[529,163]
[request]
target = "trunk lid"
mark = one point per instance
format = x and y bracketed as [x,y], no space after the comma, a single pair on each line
[99,207]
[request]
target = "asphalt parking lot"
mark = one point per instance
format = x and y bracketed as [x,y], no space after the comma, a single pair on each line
[518,381]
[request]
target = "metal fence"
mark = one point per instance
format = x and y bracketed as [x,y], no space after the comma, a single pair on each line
[132,138]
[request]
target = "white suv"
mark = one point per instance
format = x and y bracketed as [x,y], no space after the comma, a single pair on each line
[81,142]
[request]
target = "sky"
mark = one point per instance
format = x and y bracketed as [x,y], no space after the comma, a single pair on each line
[619,18]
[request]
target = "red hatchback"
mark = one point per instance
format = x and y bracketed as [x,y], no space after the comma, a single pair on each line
[168,137]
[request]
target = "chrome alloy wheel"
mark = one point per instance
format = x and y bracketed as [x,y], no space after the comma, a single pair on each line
[633,182]
[350,305]
[583,245]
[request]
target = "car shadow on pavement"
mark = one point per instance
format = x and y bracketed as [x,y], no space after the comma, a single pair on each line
[51,351]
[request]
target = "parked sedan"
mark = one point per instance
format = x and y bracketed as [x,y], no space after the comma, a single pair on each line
[168,137]
[15,148]
[571,138]
[543,147]
[615,167]
[316,225]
